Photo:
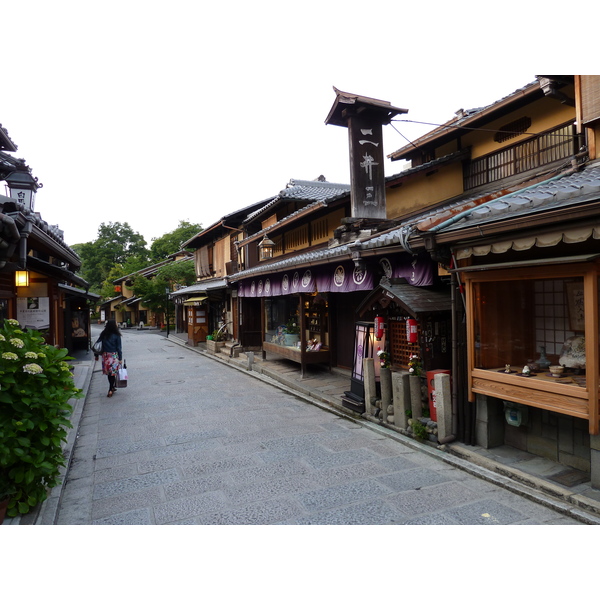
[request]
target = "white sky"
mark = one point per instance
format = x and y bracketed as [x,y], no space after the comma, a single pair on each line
[152,112]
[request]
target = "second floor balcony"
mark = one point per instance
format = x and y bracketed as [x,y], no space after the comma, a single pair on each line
[552,146]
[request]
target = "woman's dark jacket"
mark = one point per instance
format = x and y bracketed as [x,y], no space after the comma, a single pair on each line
[111,342]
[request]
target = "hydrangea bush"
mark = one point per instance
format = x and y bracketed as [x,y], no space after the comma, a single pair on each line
[36,385]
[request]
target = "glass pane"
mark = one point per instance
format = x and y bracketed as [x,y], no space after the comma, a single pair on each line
[281,313]
[534,323]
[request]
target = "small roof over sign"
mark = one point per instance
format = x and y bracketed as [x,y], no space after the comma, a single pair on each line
[413,299]
[346,104]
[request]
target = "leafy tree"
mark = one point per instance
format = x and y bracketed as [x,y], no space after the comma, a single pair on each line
[169,243]
[153,291]
[108,287]
[117,244]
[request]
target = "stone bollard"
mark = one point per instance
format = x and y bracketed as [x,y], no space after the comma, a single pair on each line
[443,401]
[250,356]
[416,402]
[370,386]
[385,380]
[401,395]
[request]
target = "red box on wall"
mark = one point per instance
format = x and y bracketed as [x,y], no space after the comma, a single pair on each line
[431,391]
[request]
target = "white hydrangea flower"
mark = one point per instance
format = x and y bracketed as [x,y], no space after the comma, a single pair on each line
[17,343]
[31,355]
[2,338]
[9,356]
[13,322]
[33,369]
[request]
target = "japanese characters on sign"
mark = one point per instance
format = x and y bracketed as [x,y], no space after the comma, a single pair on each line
[367,168]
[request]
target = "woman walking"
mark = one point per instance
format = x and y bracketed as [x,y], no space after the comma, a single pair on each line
[112,353]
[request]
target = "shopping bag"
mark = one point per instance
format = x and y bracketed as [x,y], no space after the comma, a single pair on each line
[122,376]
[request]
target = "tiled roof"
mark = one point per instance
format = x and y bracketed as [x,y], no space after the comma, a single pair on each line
[296,260]
[307,191]
[314,190]
[560,191]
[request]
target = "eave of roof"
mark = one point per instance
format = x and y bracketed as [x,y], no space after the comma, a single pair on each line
[345,102]
[5,142]
[468,118]
[564,191]
[415,300]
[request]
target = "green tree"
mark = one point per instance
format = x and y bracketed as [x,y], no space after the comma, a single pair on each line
[169,243]
[153,291]
[116,244]
[108,287]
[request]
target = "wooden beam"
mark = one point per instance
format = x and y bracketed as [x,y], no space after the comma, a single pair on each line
[590,286]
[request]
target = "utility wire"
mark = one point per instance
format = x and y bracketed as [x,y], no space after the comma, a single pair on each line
[455,126]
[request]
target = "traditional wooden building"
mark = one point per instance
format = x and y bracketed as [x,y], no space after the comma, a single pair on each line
[514,191]
[39,285]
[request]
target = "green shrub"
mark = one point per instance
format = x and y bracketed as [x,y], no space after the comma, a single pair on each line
[36,385]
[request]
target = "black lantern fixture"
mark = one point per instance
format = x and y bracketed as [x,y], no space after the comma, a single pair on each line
[266,248]
[22,186]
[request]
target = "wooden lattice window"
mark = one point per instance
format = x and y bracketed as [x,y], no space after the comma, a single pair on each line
[512,129]
[400,348]
[320,230]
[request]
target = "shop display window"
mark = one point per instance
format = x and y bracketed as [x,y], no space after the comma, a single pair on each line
[533,335]
[282,321]
[526,326]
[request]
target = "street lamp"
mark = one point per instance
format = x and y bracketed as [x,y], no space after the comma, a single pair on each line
[167,291]
[265,248]
[22,186]
[22,278]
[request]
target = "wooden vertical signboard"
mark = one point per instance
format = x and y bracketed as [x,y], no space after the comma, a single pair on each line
[364,118]
[366,168]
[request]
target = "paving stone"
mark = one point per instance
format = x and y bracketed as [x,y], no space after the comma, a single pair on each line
[182,508]
[340,495]
[129,484]
[274,511]
[485,512]
[375,512]
[134,517]
[148,497]
[412,479]
[432,499]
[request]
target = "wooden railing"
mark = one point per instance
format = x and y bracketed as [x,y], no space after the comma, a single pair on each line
[554,145]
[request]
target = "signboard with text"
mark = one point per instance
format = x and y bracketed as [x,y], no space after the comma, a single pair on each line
[34,312]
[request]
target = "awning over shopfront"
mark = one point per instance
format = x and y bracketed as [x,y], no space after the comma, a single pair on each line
[541,240]
[77,292]
[203,288]
[196,300]
[336,277]
[342,276]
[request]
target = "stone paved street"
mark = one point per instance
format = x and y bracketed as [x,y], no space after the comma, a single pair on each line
[193,441]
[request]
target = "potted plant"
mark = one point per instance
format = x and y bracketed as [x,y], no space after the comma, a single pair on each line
[36,385]
[215,341]
[292,332]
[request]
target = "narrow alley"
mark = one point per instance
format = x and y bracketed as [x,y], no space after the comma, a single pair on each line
[193,441]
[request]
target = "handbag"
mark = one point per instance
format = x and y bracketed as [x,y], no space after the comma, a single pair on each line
[122,376]
[97,347]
